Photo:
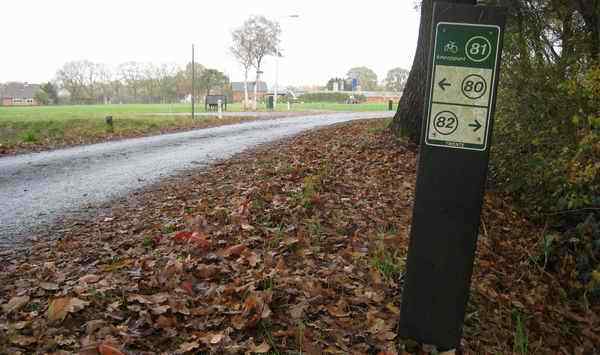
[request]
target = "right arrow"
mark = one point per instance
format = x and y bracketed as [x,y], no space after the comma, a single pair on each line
[443,84]
[475,125]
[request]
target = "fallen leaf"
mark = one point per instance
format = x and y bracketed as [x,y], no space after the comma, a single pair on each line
[160,309]
[216,339]
[15,304]
[107,348]
[89,279]
[159,297]
[188,287]
[22,340]
[139,298]
[260,349]
[60,307]
[207,271]
[234,251]
[20,325]
[187,347]
[93,325]
[165,322]
[48,286]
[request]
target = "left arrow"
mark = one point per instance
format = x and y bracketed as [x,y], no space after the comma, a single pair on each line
[443,84]
[475,125]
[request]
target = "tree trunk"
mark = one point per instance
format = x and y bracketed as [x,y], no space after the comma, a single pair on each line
[245,89]
[408,117]
[256,89]
[590,10]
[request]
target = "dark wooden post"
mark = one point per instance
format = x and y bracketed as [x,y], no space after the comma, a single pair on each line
[453,160]
[109,123]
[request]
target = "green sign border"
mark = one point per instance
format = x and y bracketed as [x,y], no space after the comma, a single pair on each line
[474,29]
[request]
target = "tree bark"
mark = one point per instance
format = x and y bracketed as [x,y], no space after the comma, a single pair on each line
[590,10]
[254,103]
[246,89]
[409,115]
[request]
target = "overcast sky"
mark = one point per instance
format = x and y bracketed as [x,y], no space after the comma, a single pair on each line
[328,38]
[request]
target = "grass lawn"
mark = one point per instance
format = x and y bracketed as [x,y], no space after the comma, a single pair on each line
[43,127]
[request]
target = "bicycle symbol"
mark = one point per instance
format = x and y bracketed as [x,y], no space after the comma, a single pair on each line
[451,47]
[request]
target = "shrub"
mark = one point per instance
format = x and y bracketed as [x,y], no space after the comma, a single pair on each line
[547,149]
[337,97]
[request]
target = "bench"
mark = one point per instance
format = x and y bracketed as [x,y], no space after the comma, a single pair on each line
[211,102]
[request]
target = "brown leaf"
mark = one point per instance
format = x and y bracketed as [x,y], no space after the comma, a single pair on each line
[238,321]
[252,258]
[89,279]
[139,298]
[216,339]
[197,238]
[160,309]
[15,304]
[60,307]
[260,349]
[49,286]
[234,251]
[93,325]
[165,322]
[187,347]
[159,298]
[107,348]
[22,340]
[207,271]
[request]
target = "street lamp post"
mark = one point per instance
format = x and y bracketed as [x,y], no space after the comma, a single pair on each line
[276,80]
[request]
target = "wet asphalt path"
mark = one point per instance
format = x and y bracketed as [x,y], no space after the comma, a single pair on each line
[37,189]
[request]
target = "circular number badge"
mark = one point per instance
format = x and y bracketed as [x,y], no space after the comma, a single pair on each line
[474,86]
[479,49]
[445,123]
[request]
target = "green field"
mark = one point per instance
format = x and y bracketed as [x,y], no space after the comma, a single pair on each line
[45,113]
[28,128]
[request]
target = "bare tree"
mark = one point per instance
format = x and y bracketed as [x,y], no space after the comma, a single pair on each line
[264,35]
[81,79]
[132,74]
[243,51]
[104,82]
[71,78]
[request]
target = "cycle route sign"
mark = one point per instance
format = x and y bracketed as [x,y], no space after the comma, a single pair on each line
[465,62]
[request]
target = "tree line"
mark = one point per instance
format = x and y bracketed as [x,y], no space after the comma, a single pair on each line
[367,80]
[87,82]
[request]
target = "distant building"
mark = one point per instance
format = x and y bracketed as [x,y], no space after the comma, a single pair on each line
[18,94]
[237,89]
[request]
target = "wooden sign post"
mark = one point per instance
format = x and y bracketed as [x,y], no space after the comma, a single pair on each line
[466,47]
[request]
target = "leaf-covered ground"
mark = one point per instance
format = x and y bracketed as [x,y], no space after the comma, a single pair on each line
[295,247]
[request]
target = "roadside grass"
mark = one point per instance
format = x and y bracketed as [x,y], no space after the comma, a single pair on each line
[52,133]
[43,127]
